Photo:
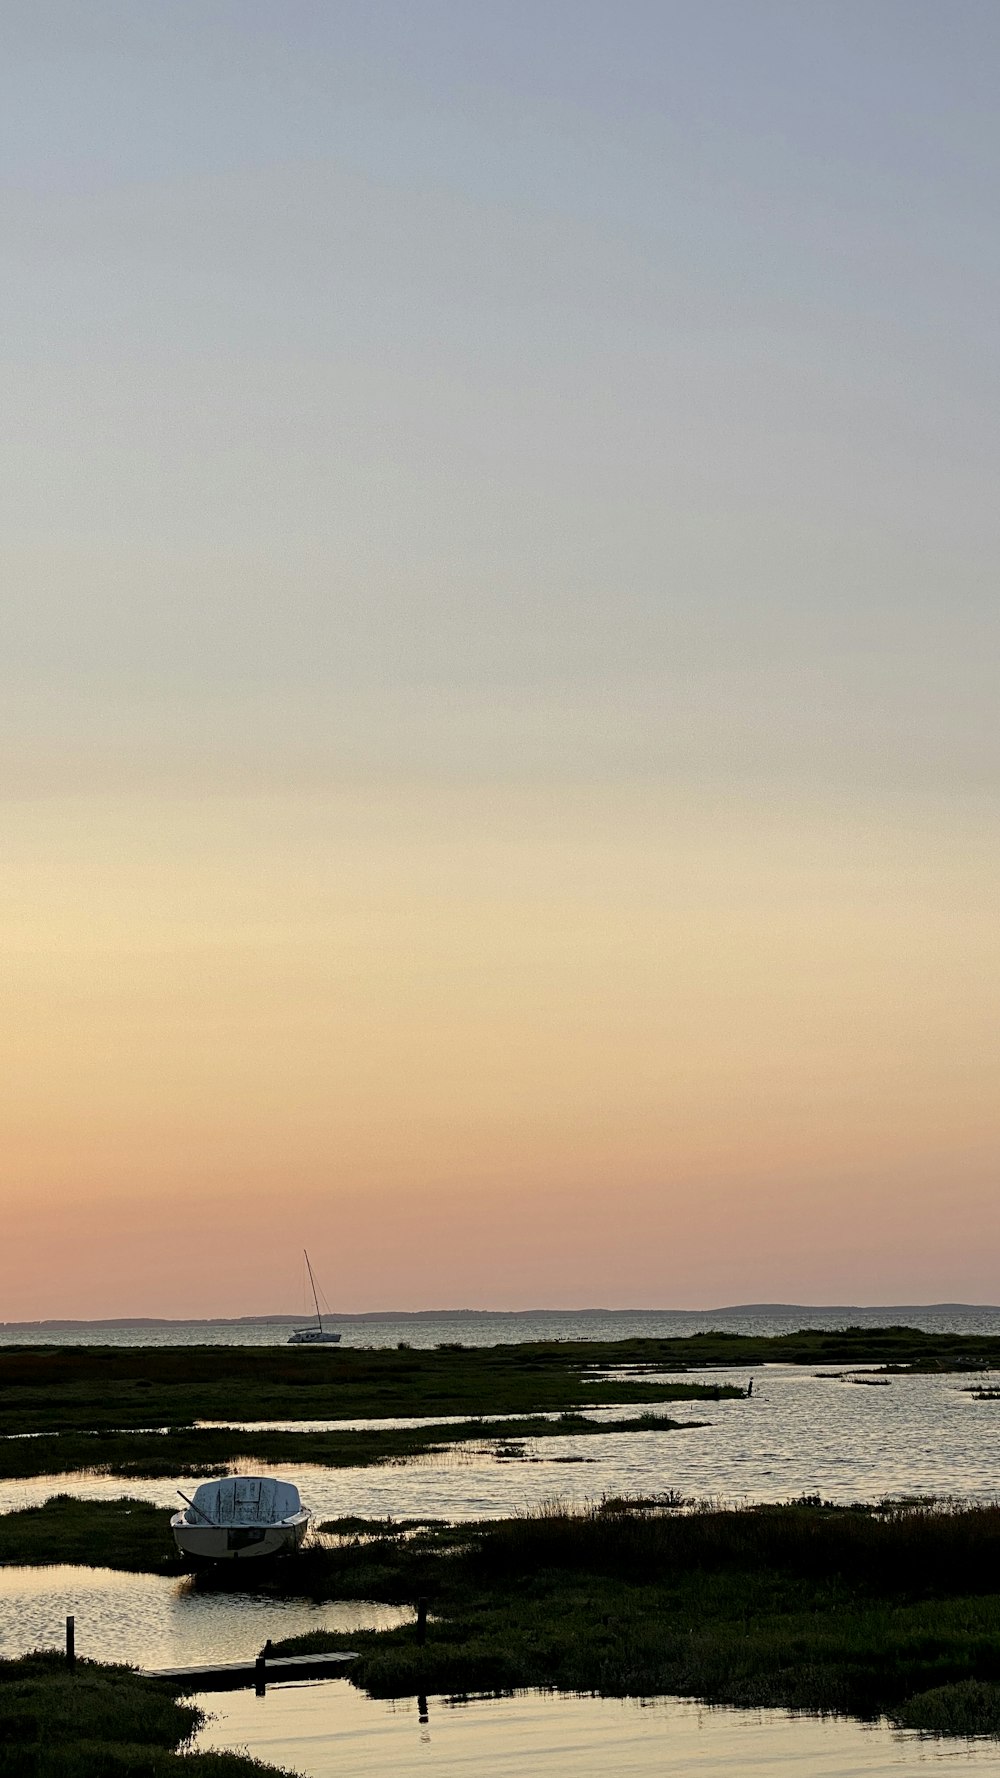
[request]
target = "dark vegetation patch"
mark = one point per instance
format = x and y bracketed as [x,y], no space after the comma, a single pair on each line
[875,1610]
[100,1722]
[85,1388]
[972,1707]
[204,1450]
[352,1526]
[891,1609]
[120,1533]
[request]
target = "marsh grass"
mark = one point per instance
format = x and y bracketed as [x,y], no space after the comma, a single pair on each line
[352,1526]
[88,1388]
[133,1534]
[100,1722]
[123,1533]
[209,1450]
[971,1707]
[886,1610]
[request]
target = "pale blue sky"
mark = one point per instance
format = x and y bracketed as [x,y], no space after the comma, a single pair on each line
[510,387]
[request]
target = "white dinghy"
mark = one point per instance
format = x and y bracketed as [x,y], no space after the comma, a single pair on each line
[241,1515]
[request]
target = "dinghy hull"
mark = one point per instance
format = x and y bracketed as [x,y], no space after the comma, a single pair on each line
[239,1517]
[227,1543]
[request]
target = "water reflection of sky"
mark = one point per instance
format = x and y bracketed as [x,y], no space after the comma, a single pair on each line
[329,1730]
[149,1620]
[800,1433]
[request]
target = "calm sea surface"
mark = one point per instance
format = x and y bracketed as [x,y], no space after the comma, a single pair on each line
[804,1430]
[505,1328]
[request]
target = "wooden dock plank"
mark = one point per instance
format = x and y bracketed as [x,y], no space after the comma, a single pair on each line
[230,1675]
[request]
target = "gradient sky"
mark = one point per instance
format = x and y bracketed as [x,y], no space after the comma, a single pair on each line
[499,652]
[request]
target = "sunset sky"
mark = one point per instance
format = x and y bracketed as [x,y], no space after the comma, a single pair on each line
[499,653]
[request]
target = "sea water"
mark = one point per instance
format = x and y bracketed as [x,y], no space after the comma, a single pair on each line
[499,1328]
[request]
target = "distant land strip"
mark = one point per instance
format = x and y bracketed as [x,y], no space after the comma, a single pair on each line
[505,1314]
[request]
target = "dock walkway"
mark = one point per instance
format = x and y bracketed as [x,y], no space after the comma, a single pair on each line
[224,1676]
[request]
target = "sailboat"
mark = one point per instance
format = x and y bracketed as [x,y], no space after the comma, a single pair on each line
[318,1335]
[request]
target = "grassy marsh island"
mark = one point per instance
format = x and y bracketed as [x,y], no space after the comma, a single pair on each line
[149,1411]
[128,1534]
[135,1411]
[101,1722]
[878,1610]
[100,1388]
[155,1394]
[204,1451]
[885,1610]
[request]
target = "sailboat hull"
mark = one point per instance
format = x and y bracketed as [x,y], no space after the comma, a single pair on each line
[318,1335]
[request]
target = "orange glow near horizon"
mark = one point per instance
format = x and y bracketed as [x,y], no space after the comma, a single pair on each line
[496,1049]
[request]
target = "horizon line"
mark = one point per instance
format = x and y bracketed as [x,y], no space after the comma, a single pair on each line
[280,1318]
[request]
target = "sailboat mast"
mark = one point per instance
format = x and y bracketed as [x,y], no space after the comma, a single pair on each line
[312,1281]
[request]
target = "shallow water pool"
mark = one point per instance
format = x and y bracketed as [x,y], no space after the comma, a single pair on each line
[148,1620]
[330,1730]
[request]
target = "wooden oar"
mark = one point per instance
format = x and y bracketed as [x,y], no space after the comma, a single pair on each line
[197,1509]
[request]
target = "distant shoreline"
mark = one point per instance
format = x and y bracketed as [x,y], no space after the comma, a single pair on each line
[378,1315]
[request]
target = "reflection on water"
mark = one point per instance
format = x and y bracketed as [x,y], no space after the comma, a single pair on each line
[325,1731]
[393,1422]
[146,1620]
[799,1433]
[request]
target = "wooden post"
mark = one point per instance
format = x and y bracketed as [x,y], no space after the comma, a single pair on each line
[421,1619]
[71,1643]
[423,1715]
[260,1675]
